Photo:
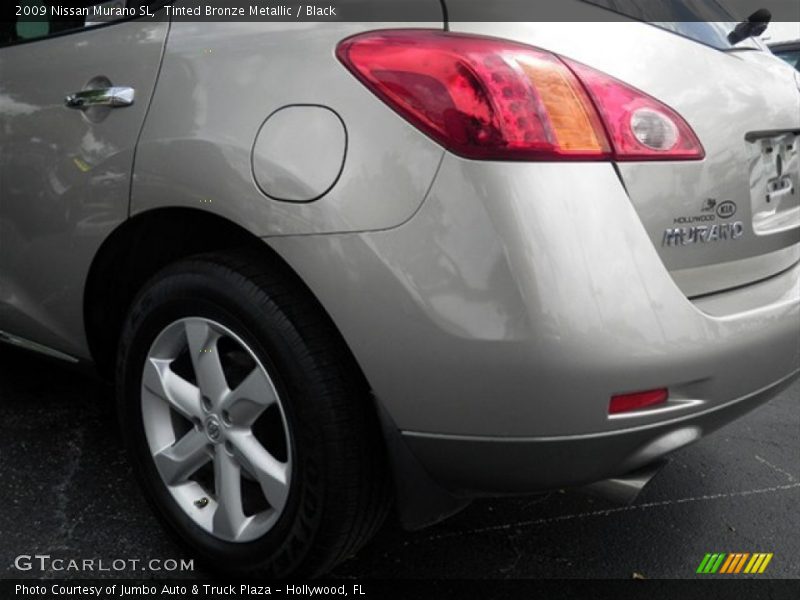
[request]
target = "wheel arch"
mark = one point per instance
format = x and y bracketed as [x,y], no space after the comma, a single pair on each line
[139,248]
[148,242]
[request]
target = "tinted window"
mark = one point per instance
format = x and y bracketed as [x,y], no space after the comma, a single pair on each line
[790,55]
[39,19]
[705,21]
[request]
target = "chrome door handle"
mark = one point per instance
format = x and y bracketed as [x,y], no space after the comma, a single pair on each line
[112,97]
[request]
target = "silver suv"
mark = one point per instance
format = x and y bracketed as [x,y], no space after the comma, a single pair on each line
[339,266]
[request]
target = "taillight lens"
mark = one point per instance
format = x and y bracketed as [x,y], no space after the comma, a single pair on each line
[484,98]
[640,127]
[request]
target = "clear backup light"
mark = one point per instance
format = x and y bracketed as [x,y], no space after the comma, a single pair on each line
[654,129]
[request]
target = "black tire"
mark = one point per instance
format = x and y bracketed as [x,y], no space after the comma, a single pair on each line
[340,491]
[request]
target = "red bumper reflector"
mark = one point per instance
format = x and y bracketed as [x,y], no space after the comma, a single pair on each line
[637,401]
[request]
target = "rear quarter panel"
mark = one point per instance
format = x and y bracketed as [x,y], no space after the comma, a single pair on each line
[220,81]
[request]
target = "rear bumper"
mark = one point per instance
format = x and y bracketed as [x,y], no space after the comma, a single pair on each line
[469,467]
[495,325]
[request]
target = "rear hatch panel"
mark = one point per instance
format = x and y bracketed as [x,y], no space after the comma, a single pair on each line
[734,217]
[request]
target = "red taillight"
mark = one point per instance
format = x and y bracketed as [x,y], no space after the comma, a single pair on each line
[637,401]
[640,127]
[484,98]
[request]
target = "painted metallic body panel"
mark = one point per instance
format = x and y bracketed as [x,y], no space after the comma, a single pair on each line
[723,97]
[220,81]
[299,153]
[524,317]
[65,180]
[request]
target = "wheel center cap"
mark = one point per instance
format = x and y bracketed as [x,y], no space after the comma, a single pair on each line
[213,429]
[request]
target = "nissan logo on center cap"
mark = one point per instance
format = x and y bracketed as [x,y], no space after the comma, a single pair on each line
[726,209]
[213,429]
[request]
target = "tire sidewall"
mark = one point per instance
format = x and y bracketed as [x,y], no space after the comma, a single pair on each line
[270,335]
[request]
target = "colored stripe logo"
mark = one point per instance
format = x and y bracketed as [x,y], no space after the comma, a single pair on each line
[734,562]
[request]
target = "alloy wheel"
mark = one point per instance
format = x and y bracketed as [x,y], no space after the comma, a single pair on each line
[216,429]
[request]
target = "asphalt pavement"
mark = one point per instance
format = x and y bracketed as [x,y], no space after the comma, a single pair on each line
[67,491]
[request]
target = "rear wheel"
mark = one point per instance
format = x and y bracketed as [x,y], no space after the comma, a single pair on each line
[248,423]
